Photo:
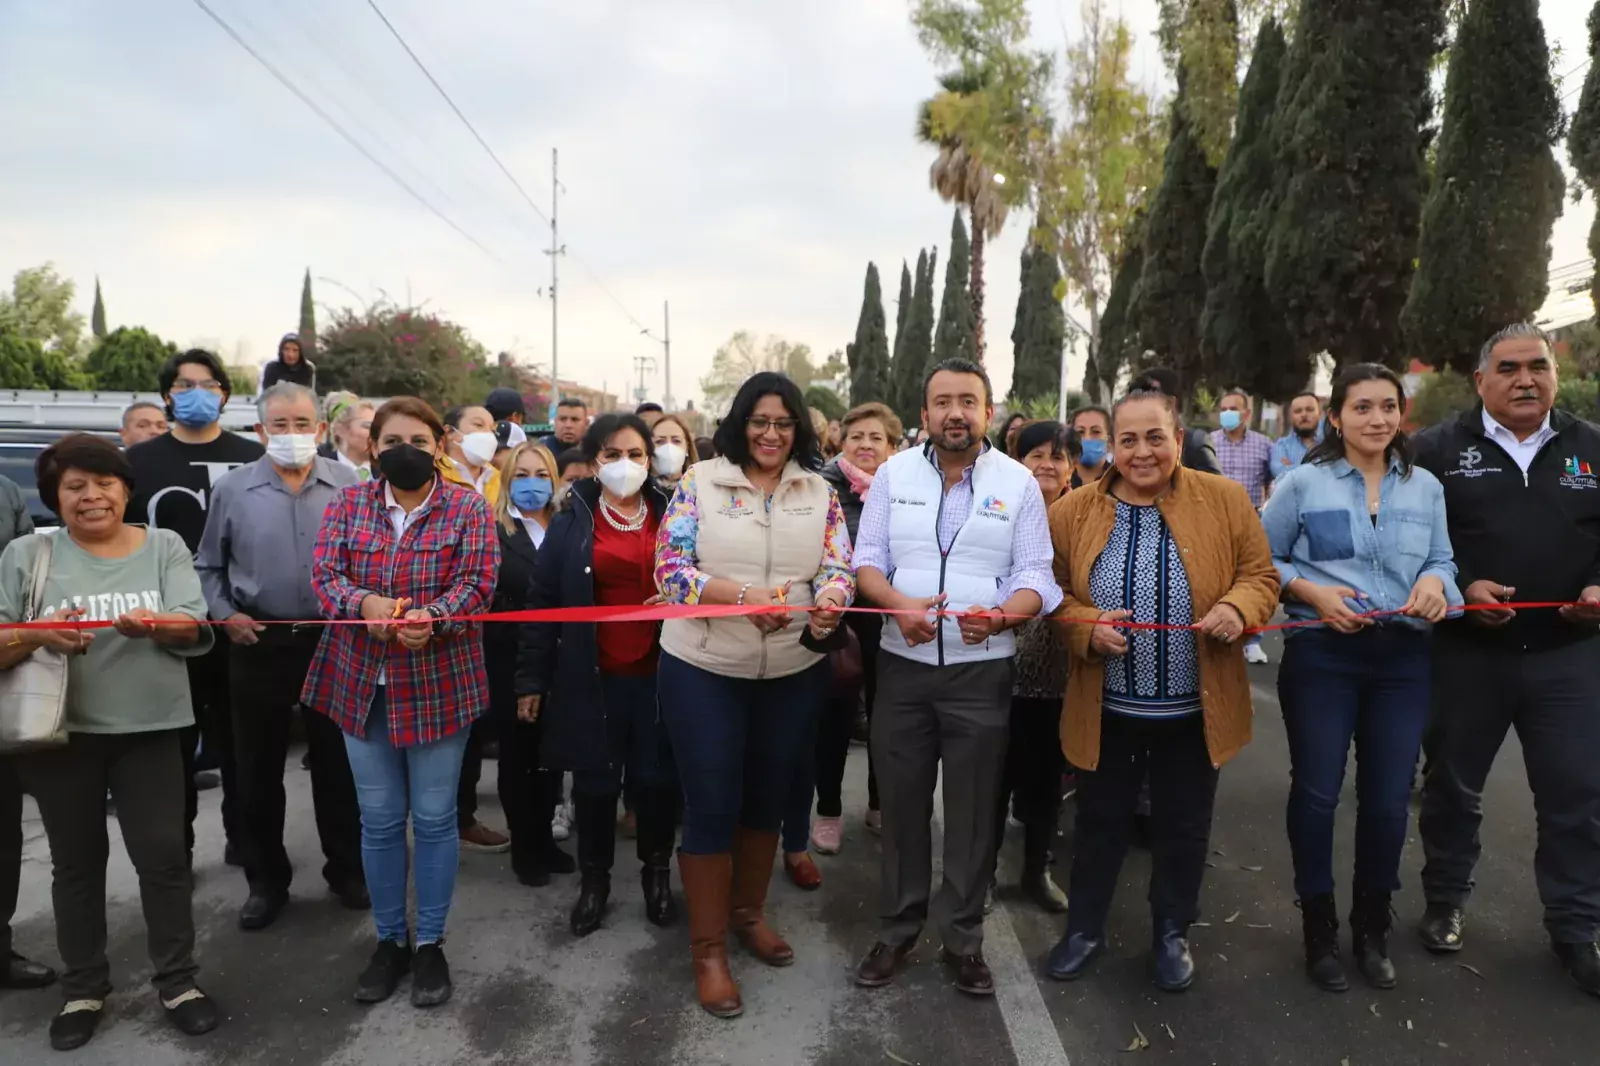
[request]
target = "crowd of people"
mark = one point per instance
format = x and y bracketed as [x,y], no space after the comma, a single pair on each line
[1069,607]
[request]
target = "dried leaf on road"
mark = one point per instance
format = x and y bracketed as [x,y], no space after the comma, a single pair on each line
[1234,917]
[641,1021]
[1139,1042]
[1252,869]
[1408,1025]
[1199,925]
[1210,865]
[1373,1007]
[1473,970]
[896,1058]
[1218,851]
[1168,1028]
[1221,956]
[1253,925]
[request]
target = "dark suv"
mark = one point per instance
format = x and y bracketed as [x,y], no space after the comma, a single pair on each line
[19,447]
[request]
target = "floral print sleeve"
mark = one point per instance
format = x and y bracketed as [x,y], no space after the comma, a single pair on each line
[834,571]
[678,575]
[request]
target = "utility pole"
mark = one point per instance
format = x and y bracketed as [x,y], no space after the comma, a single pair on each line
[555,253]
[666,347]
[643,363]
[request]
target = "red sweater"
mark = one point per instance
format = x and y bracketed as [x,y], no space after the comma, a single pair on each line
[624,575]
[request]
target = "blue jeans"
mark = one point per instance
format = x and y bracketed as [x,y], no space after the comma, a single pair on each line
[390,783]
[738,743]
[1372,687]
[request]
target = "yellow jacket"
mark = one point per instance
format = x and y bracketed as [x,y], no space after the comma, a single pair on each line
[451,472]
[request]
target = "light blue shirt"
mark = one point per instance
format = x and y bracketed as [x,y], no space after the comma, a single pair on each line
[1319,529]
[1289,452]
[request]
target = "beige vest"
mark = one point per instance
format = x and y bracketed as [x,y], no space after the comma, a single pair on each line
[740,540]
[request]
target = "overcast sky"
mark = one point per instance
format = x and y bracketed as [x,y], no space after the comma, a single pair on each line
[742,160]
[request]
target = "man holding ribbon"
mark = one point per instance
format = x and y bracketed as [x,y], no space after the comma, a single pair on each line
[1523,502]
[953,525]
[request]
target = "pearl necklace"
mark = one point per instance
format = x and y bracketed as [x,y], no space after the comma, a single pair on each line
[620,522]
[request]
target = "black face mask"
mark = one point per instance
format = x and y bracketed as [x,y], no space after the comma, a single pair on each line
[405,466]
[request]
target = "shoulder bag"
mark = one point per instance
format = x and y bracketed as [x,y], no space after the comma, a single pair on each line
[33,693]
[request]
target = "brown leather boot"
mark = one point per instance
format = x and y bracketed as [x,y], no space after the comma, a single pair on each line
[752,873]
[707,881]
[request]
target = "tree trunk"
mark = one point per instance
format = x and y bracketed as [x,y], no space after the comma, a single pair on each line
[977,283]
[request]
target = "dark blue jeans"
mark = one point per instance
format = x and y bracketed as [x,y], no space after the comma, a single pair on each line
[738,743]
[1372,687]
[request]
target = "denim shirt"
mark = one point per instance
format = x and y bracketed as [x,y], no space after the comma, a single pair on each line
[1319,529]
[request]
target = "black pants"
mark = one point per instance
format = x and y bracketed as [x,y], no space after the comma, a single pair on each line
[266,679]
[10,850]
[483,730]
[1552,698]
[528,794]
[1183,789]
[208,692]
[656,810]
[144,773]
[1032,784]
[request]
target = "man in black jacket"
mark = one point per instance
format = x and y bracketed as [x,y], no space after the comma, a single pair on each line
[1523,500]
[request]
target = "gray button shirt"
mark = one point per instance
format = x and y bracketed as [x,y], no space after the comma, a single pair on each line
[255,554]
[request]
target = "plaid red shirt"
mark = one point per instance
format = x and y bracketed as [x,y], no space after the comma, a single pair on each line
[447,557]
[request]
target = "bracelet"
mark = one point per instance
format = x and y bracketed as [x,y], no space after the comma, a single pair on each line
[748,585]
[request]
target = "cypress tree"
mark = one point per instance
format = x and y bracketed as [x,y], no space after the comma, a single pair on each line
[308,319]
[869,355]
[912,361]
[1040,331]
[97,317]
[1350,147]
[1172,289]
[1583,140]
[956,336]
[1118,344]
[1244,341]
[902,311]
[1483,258]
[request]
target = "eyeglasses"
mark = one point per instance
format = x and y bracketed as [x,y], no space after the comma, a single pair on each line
[761,424]
[184,385]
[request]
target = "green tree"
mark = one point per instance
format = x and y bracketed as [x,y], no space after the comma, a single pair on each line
[308,320]
[869,355]
[1439,396]
[39,308]
[388,350]
[1200,40]
[917,352]
[827,401]
[1484,253]
[25,363]
[97,317]
[1040,330]
[902,315]
[957,334]
[745,354]
[1350,146]
[1244,341]
[1172,289]
[1583,141]
[1118,344]
[128,360]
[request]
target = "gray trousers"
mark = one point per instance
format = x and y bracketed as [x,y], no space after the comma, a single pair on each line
[960,715]
[1552,698]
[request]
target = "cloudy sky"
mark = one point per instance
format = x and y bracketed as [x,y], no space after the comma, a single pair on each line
[741,160]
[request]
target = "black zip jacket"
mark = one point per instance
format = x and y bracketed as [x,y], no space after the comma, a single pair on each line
[1539,533]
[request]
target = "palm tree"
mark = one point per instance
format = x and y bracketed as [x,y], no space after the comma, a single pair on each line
[959,177]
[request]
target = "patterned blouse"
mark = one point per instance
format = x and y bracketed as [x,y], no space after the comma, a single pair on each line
[1141,570]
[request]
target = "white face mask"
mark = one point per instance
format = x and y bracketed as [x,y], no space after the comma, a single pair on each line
[669,459]
[479,448]
[295,450]
[623,477]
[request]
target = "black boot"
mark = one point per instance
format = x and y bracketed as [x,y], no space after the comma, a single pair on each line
[1370,922]
[1037,884]
[1171,965]
[534,852]
[597,848]
[1319,922]
[656,813]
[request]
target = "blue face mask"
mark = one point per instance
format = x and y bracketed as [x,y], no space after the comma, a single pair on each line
[196,407]
[530,494]
[1230,420]
[1094,451]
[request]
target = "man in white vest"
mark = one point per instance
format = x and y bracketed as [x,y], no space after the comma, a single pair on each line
[950,526]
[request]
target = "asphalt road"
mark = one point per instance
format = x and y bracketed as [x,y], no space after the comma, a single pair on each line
[527,992]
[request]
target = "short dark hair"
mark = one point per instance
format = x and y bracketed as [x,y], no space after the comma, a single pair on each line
[1162,379]
[1060,438]
[568,457]
[1306,392]
[1091,409]
[503,402]
[199,357]
[648,406]
[730,440]
[452,415]
[78,451]
[704,448]
[410,407]
[1331,447]
[572,401]
[608,425]
[958,366]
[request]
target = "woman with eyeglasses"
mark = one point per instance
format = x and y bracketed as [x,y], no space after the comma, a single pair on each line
[756,527]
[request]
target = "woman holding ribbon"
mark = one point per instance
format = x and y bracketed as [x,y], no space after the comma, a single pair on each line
[593,686]
[528,793]
[756,527]
[1182,555]
[410,554]
[1357,529]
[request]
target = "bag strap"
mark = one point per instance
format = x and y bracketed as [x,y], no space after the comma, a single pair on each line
[39,574]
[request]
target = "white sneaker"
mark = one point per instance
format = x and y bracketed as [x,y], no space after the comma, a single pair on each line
[1255,653]
[561,824]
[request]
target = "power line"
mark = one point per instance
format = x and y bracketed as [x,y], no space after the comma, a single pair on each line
[342,132]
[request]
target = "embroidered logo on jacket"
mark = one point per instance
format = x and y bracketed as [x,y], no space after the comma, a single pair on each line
[1577,474]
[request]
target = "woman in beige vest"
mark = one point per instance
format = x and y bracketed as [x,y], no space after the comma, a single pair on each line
[757,526]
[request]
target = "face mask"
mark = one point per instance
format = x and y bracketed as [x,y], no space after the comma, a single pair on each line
[623,477]
[1230,420]
[196,407]
[406,467]
[669,459]
[292,449]
[530,494]
[1094,451]
[479,448]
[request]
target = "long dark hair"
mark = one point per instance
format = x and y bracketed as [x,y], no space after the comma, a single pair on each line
[731,442]
[1331,447]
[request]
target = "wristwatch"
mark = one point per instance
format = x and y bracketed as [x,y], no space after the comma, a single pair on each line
[442,626]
